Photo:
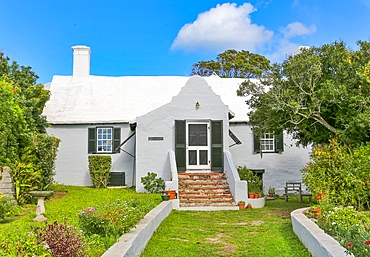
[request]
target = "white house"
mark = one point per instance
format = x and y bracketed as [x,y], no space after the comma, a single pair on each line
[169,125]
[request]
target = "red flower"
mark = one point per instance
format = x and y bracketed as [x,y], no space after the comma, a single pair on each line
[319,197]
[367,242]
[349,244]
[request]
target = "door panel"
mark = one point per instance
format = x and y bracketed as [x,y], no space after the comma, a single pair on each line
[198,145]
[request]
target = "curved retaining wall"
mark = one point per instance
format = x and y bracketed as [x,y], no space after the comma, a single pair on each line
[318,243]
[132,243]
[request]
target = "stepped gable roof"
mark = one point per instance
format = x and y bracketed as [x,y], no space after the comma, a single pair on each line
[104,99]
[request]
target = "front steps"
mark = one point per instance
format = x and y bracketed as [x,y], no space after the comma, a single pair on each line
[204,189]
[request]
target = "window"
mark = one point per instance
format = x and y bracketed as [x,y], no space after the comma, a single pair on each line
[104,140]
[269,143]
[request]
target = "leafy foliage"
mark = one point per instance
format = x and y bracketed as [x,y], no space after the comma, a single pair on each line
[349,227]
[32,96]
[233,64]
[63,240]
[26,147]
[341,172]
[152,184]
[254,182]
[35,171]
[320,93]
[13,126]
[8,208]
[100,167]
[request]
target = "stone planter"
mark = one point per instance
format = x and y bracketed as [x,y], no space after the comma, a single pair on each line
[257,202]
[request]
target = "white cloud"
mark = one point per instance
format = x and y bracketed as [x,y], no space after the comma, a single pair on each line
[226,26]
[297,29]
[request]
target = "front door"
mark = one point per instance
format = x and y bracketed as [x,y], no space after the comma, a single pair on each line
[198,145]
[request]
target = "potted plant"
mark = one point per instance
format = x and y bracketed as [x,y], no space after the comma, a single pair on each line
[171,193]
[249,206]
[260,194]
[251,190]
[165,197]
[241,205]
[271,191]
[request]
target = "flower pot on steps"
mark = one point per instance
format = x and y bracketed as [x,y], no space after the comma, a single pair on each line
[171,193]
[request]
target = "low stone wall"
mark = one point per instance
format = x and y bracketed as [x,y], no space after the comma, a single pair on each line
[318,243]
[132,243]
[6,182]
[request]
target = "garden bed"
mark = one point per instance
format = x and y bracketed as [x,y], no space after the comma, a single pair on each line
[314,238]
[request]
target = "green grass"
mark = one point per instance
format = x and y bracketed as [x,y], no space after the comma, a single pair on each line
[257,232]
[64,206]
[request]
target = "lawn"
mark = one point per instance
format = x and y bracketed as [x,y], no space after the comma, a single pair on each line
[64,206]
[257,232]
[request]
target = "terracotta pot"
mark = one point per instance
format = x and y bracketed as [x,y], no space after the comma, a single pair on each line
[251,195]
[271,194]
[256,195]
[249,206]
[241,206]
[172,194]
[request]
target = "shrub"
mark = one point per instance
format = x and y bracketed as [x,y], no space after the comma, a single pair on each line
[341,172]
[111,220]
[22,244]
[8,208]
[100,167]
[35,170]
[152,184]
[254,182]
[62,240]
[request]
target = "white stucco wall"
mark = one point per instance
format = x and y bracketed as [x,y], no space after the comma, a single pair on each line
[72,157]
[279,167]
[152,156]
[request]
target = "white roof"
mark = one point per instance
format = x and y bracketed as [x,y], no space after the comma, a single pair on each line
[102,99]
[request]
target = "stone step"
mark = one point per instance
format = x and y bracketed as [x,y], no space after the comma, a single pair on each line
[204,189]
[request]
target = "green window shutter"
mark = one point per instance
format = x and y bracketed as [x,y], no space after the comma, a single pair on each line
[279,143]
[116,139]
[180,141]
[91,148]
[216,146]
[256,144]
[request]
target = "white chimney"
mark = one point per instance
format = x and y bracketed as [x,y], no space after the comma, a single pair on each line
[81,62]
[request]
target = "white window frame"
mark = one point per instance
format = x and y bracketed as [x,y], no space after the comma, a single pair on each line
[267,142]
[104,140]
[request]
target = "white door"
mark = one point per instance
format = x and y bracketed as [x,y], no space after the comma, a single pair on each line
[198,145]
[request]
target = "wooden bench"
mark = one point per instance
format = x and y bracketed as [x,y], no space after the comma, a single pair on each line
[296,187]
[293,187]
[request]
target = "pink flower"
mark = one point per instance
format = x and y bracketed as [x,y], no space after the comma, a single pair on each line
[349,244]
[91,209]
[367,242]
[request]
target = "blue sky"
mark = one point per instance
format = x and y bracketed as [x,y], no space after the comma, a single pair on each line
[132,37]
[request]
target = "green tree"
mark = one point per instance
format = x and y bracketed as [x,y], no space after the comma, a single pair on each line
[233,64]
[322,92]
[13,127]
[32,96]
[24,143]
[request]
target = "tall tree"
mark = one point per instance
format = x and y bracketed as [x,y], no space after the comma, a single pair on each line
[24,144]
[233,64]
[320,93]
[32,96]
